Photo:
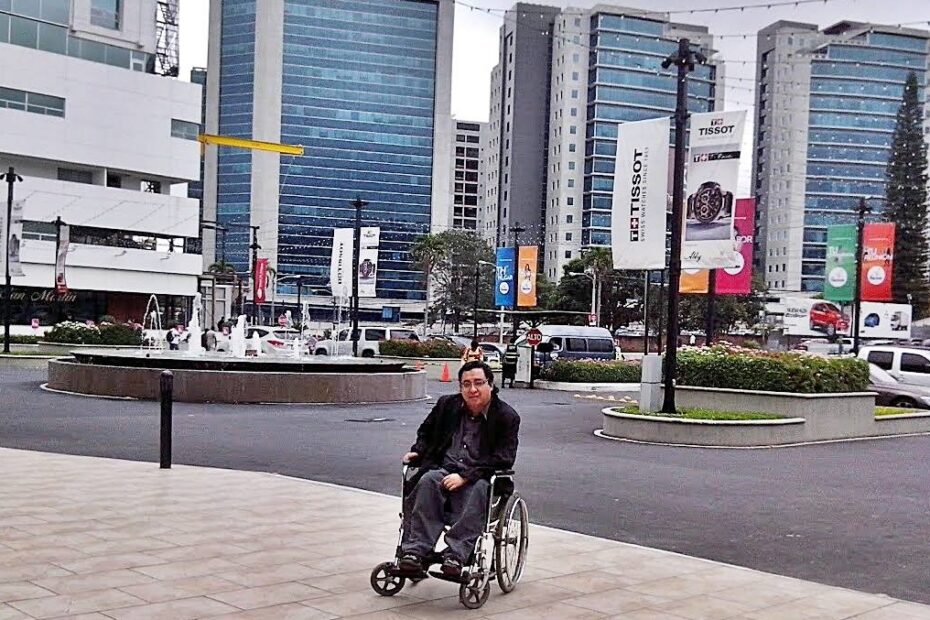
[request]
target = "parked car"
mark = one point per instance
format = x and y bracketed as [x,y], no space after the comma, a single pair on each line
[368,340]
[493,355]
[909,365]
[893,393]
[275,340]
[828,318]
[573,342]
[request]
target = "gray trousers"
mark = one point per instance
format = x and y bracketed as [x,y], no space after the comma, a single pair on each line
[426,516]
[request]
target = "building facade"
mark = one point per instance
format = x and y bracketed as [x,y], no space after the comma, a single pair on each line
[105,145]
[469,177]
[826,107]
[365,87]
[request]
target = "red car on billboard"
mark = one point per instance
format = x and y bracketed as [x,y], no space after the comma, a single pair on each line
[828,318]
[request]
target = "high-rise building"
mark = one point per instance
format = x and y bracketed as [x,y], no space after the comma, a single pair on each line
[365,87]
[469,178]
[825,113]
[104,144]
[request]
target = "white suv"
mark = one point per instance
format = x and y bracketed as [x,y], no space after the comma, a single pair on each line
[368,340]
[906,364]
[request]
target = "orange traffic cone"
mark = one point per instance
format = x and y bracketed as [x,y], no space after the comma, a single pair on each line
[444,377]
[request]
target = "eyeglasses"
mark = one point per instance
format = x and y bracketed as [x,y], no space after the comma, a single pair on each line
[477,383]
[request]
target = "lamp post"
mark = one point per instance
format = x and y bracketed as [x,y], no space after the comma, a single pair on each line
[591,275]
[515,230]
[358,203]
[862,209]
[210,225]
[11,177]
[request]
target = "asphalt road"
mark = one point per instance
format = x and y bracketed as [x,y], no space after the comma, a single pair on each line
[848,514]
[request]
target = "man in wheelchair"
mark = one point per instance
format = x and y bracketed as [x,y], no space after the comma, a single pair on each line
[463,441]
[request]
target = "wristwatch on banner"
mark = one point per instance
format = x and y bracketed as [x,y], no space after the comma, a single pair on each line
[709,203]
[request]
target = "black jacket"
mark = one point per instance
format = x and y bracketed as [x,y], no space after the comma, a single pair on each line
[498,441]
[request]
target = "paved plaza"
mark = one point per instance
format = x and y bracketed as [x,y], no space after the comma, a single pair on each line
[101,539]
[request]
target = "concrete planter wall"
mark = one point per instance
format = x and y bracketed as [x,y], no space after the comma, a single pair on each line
[702,432]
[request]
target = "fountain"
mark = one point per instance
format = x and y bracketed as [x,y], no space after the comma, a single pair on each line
[152,318]
[237,338]
[194,330]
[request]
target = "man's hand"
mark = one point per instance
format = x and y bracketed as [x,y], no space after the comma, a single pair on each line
[410,457]
[453,482]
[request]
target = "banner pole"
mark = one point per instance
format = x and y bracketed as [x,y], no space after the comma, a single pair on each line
[857,296]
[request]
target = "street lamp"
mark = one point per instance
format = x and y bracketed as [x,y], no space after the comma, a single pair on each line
[477,280]
[210,225]
[591,275]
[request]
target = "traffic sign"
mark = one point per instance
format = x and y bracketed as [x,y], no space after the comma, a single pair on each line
[282,321]
[534,337]
[592,319]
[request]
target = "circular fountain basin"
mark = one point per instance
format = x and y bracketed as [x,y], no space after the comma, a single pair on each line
[219,378]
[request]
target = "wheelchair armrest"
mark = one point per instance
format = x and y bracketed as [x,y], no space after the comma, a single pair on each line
[503,472]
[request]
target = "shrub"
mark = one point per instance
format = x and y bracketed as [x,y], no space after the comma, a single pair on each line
[118,333]
[107,318]
[412,348]
[592,371]
[72,332]
[24,339]
[725,366]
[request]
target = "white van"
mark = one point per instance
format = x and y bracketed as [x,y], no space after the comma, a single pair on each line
[906,364]
[573,342]
[368,340]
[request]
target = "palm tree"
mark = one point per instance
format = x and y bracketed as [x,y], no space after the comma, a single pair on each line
[428,252]
[222,267]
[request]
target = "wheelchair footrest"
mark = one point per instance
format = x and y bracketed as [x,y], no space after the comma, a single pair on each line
[441,575]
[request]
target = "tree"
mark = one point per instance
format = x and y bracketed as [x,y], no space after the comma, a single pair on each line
[455,274]
[616,287]
[222,268]
[906,202]
[427,252]
[729,310]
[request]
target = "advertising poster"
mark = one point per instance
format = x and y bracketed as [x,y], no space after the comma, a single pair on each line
[261,280]
[814,317]
[877,261]
[737,280]
[694,281]
[640,195]
[340,269]
[527,258]
[884,320]
[61,253]
[15,247]
[840,270]
[712,177]
[503,280]
[369,240]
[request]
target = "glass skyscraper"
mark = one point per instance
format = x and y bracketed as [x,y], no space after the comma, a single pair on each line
[360,84]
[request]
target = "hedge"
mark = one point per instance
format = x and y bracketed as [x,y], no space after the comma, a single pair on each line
[14,339]
[72,332]
[725,366]
[412,348]
[591,371]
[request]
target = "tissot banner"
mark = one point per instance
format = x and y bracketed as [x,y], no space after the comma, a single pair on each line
[877,261]
[738,280]
[640,195]
[713,173]
[64,240]
[503,281]
[340,263]
[840,270]
[369,239]
[261,280]
[14,249]
[526,275]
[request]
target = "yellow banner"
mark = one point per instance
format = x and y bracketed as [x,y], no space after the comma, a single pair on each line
[526,275]
[694,281]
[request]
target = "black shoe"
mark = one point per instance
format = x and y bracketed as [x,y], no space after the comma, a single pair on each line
[410,564]
[451,567]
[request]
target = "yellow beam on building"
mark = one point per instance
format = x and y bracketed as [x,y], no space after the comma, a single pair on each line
[245,143]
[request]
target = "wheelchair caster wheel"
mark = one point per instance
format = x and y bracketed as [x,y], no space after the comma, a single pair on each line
[383,582]
[472,594]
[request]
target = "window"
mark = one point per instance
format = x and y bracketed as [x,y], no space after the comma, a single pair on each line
[376,335]
[576,344]
[569,219]
[574,94]
[911,362]
[151,187]
[575,75]
[882,359]
[571,148]
[571,182]
[114,180]
[105,13]
[568,236]
[184,129]
[568,253]
[76,176]
[600,345]
[570,201]
[571,165]
[556,343]
[573,129]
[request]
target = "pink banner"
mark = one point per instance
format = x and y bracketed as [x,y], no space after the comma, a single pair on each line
[738,280]
[261,280]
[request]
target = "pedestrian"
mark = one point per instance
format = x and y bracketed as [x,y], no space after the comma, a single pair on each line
[174,337]
[509,365]
[473,353]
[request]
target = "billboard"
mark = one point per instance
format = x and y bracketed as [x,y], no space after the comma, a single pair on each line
[527,258]
[840,269]
[503,280]
[877,261]
[884,320]
[261,280]
[737,280]
[694,281]
[814,317]
[340,263]
[369,240]
[640,195]
[713,173]
[61,254]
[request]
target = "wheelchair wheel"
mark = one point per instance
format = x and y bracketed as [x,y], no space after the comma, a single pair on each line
[511,539]
[474,592]
[383,582]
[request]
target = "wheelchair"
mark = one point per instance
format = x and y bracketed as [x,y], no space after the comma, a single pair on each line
[500,552]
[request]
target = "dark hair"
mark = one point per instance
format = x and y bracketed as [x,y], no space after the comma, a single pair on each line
[474,343]
[488,373]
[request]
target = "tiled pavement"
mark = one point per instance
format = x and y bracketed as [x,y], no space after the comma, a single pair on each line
[97,539]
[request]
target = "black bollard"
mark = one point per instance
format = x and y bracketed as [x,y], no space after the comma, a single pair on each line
[167,387]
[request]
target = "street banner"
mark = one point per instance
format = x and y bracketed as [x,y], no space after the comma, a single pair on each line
[694,281]
[839,282]
[369,240]
[884,320]
[877,261]
[526,275]
[640,195]
[61,254]
[814,317]
[261,280]
[340,263]
[14,250]
[712,175]
[737,280]
[503,280]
